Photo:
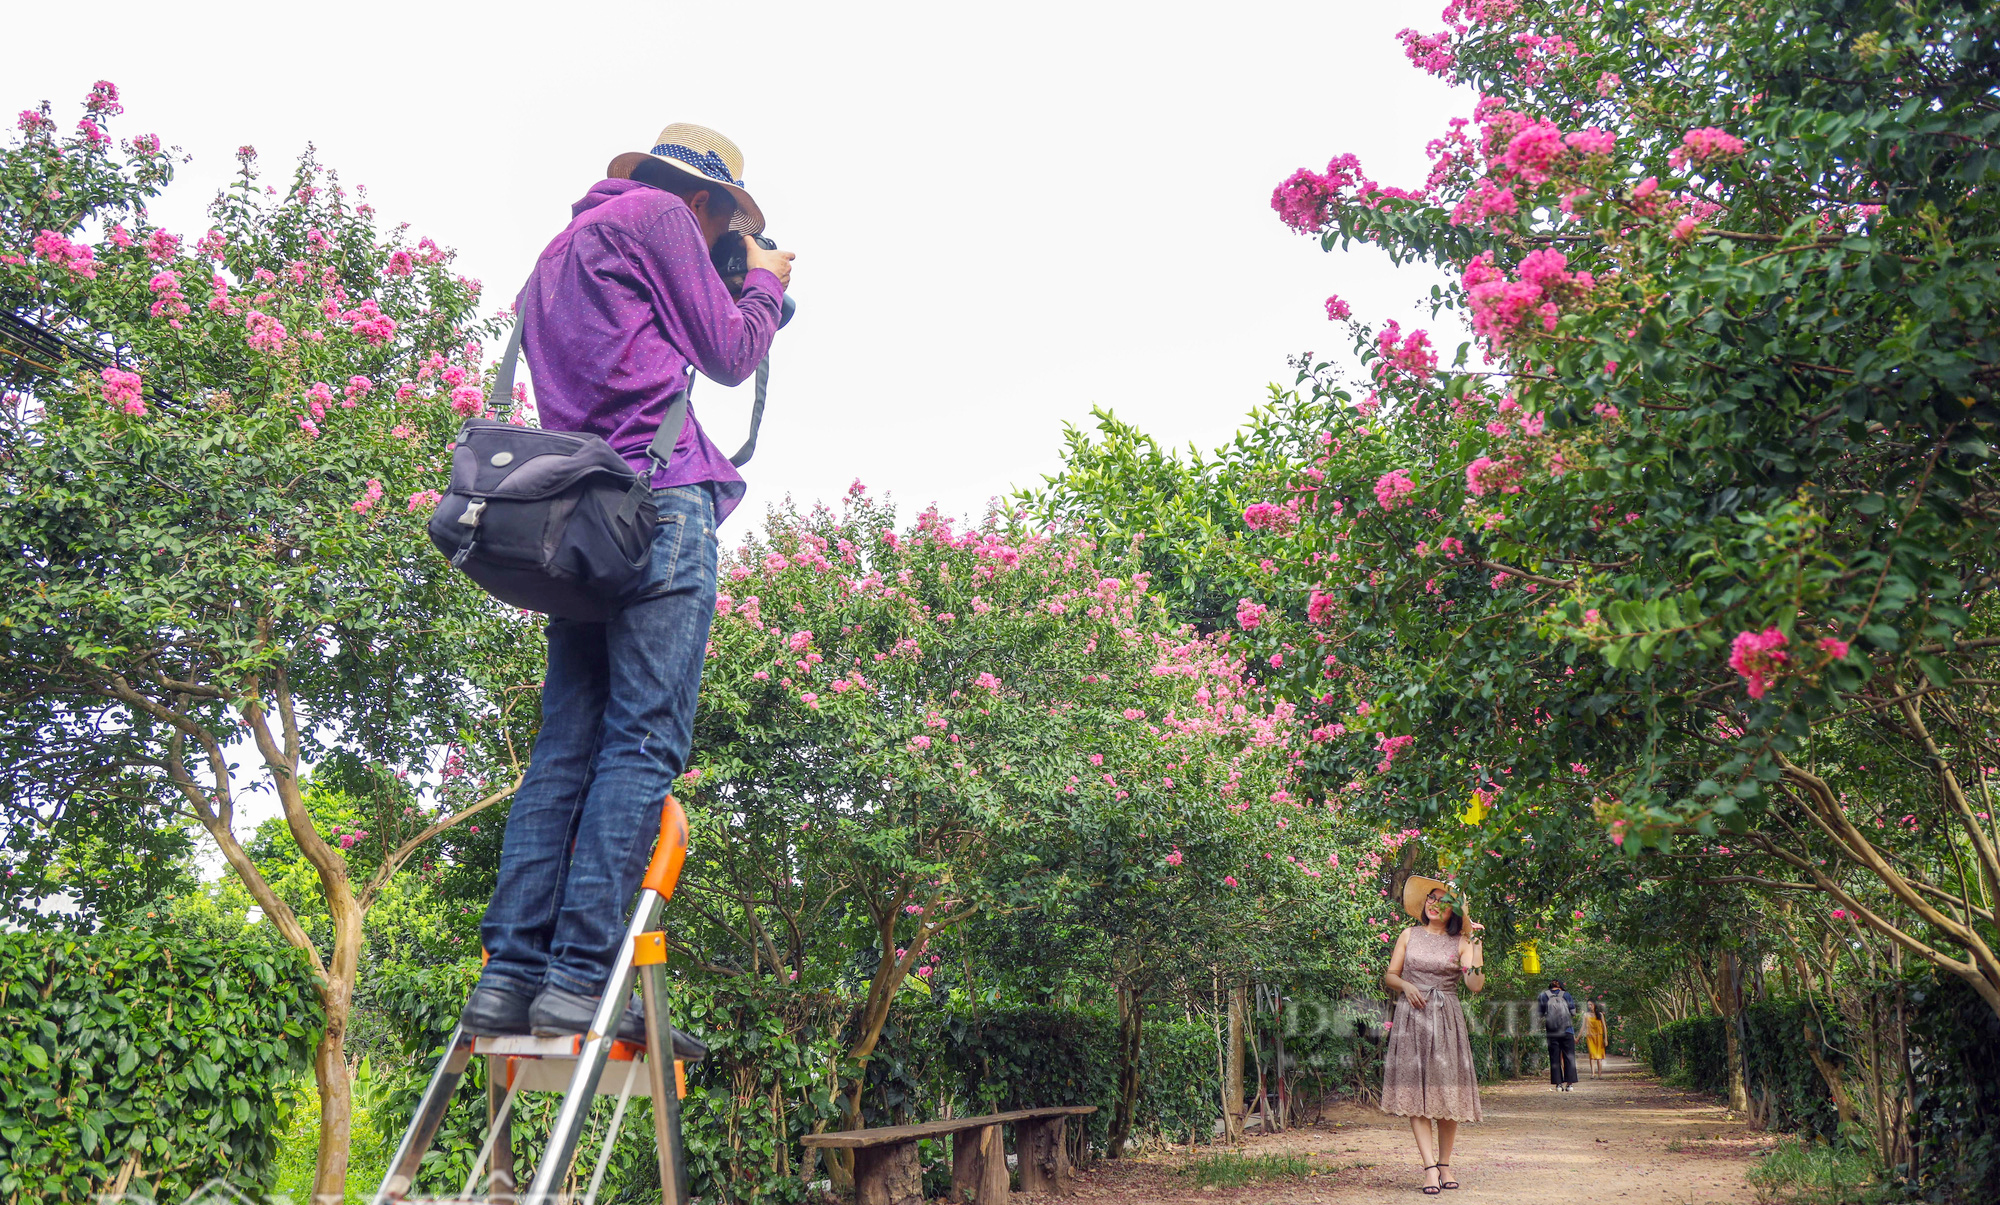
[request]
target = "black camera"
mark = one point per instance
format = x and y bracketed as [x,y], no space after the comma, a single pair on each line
[732,263]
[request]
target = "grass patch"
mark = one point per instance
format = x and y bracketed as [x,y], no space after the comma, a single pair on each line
[1804,1172]
[1234,1171]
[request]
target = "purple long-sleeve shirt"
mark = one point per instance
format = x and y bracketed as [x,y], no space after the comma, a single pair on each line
[618,306]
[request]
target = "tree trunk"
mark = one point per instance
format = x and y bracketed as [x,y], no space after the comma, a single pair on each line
[1263,1109]
[336,1091]
[1232,1079]
[1130,1019]
[1728,1002]
[1836,1087]
[890,972]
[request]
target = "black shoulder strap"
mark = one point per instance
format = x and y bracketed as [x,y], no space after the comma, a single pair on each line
[669,433]
[503,384]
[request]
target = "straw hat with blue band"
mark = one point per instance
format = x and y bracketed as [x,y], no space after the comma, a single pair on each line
[704,157]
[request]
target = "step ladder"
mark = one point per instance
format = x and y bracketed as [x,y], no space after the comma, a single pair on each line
[580,1066]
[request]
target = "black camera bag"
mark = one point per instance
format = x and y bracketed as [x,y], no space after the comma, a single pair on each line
[551,521]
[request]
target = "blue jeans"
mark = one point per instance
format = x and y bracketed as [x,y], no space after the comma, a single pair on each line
[617,724]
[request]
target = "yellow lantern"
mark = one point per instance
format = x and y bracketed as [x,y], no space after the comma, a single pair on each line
[1531,960]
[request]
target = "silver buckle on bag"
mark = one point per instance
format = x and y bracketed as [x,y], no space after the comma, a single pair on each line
[471,516]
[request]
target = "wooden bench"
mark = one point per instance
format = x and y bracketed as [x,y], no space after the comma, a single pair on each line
[887,1171]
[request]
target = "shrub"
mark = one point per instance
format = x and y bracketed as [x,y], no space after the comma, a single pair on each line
[134,1062]
[1955,1096]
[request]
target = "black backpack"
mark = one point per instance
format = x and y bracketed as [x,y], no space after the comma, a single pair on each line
[551,521]
[1556,1019]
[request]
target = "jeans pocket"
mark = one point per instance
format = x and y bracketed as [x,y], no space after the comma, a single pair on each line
[668,537]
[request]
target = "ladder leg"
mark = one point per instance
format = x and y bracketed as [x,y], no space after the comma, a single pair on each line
[424,1123]
[611,1138]
[502,1120]
[501,1184]
[567,1131]
[665,1078]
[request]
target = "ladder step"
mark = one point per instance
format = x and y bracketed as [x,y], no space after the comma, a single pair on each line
[562,1046]
[553,1075]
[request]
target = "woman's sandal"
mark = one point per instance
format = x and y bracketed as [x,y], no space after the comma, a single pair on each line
[1431,1190]
[1442,1182]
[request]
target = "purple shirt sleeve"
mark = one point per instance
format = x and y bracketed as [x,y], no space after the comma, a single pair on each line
[724,339]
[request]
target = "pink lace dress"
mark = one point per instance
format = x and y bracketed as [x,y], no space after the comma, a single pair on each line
[1427,1070]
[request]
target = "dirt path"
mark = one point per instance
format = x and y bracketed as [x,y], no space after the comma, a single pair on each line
[1625,1138]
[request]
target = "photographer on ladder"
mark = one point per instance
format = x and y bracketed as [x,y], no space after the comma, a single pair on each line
[623,306]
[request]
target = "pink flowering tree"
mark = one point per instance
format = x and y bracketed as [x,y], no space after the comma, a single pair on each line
[906,735]
[218,449]
[1696,530]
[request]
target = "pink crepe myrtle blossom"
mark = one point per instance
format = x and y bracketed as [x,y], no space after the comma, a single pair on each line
[1261,516]
[987,682]
[124,390]
[357,387]
[424,498]
[468,400]
[1320,608]
[1608,83]
[1175,858]
[920,741]
[267,334]
[400,263]
[1389,747]
[1229,880]
[1839,914]
[1133,713]
[809,699]
[1485,474]
[1338,310]
[1702,145]
[1392,487]
[1834,648]
[1592,141]
[369,497]
[1755,656]
[162,246]
[798,641]
[103,98]
[1412,352]
[1684,229]
[1306,199]
[1249,614]
[78,259]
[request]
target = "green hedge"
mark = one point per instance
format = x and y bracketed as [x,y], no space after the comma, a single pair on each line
[1955,1096]
[164,1056]
[1695,1054]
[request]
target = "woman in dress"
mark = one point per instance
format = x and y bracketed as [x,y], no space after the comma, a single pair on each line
[1427,1072]
[1593,1038]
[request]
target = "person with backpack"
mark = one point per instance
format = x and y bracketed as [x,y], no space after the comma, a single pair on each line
[1556,1009]
[623,307]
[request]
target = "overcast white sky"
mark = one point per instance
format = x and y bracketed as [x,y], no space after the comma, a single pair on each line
[1003,214]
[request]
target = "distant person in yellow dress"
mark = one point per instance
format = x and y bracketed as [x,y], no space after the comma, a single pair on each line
[1593,1038]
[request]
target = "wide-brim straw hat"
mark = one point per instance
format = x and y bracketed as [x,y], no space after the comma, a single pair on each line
[704,157]
[1416,889]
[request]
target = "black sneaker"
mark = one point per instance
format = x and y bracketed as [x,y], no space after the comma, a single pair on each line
[558,1011]
[494,1012]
